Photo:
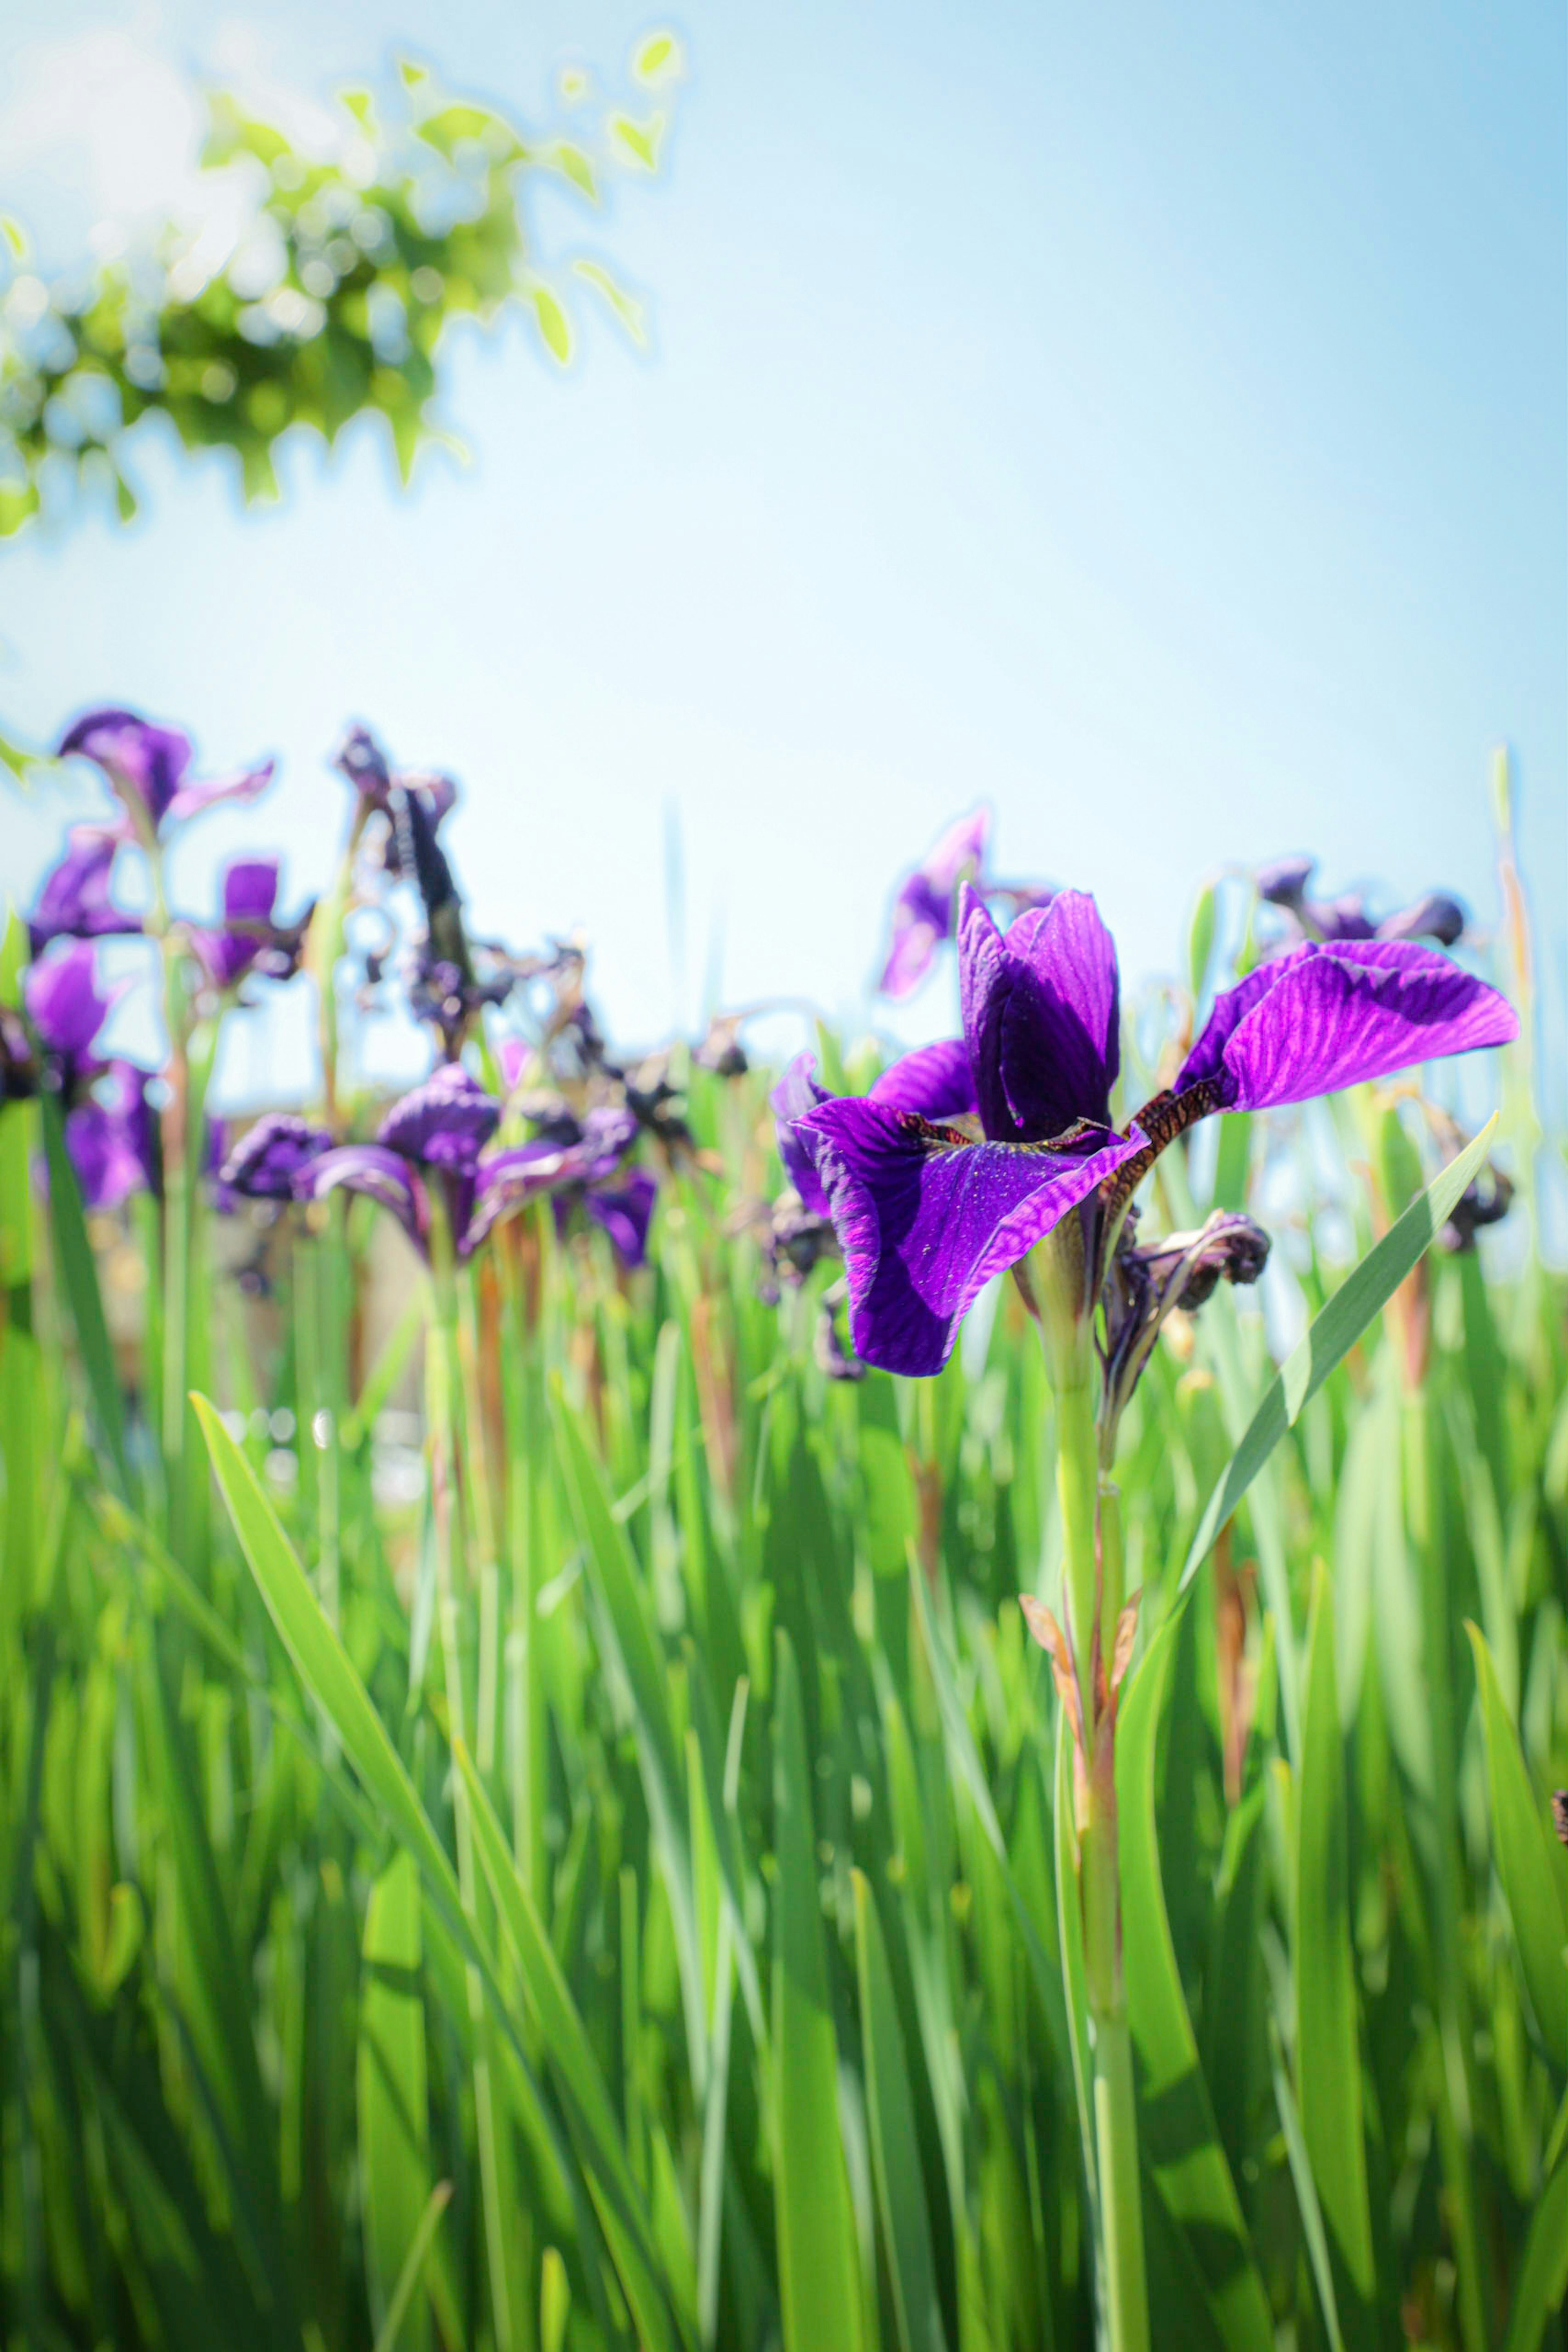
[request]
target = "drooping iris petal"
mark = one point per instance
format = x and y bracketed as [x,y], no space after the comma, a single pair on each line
[112,1139]
[64,1003]
[241,784]
[923,910]
[1040,1008]
[795,1093]
[1283,883]
[148,766]
[384,1176]
[445,1122]
[508,1181]
[936,1080]
[925,1218]
[74,901]
[250,893]
[270,1157]
[1325,1017]
[625,1212]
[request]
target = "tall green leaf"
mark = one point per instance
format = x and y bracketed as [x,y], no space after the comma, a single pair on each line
[1178,2138]
[1328,2045]
[393,2096]
[1526,1864]
[1333,1332]
[818,2259]
[894,2139]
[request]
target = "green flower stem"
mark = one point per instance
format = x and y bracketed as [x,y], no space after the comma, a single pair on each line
[1113,1565]
[441,1411]
[1121,2207]
[1078,1490]
[477,1491]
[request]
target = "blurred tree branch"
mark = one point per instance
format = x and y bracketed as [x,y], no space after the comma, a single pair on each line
[321,295]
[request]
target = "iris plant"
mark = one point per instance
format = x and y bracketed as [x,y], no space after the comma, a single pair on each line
[1284,885]
[109,1123]
[997,1151]
[924,908]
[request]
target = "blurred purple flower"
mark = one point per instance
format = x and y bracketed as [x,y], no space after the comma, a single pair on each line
[113,1137]
[147,766]
[926,1214]
[269,1159]
[74,902]
[925,909]
[575,1162]
[1336,921]
[110,1132]
[249,939]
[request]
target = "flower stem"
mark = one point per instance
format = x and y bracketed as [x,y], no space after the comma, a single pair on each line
[1121,2210]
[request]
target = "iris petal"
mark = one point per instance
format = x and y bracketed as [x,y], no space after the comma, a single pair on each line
[1041,1015]
[936,1080]
[1321,1018]
[925,1218]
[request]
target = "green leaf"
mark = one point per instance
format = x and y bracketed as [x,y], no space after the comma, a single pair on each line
[577,2071]
[392,2337]
[894,2139]
[1543,2272]
[1328,2045]
[819,2262]
[1178,2138]
[554,325]
[1307,2205]
[393,2100]
[1526,1863]
[78,1276]
[630,314]
[1333,1333]
[639,140]
[658,57]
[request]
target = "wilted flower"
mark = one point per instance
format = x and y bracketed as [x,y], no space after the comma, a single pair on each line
[147,767]
[927,1213]
[1145,1285]
[924,908]
[1336,921]
[721,1050]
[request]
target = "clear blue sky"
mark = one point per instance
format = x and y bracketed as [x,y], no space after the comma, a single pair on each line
[1151,420]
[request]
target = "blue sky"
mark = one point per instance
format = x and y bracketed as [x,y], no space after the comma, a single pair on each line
[1149,420]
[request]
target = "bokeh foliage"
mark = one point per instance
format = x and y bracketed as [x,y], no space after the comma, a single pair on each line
[331,301]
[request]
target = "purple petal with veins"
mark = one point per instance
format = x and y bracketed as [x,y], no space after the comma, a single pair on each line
[925,1218]
[1040,1007]
[795,1093]
[1325,1017]
[937,1081]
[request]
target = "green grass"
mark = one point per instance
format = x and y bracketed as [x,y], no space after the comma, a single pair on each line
[613,1899]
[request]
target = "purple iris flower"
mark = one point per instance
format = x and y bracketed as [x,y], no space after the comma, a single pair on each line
[435,1134]
[624,1212]
[148,766]
[111,1133]
[249,938]
[577,1163]
[927,1213]
[113,1137]
[924,910]
[270,1158]
[1338,921]
[74,902]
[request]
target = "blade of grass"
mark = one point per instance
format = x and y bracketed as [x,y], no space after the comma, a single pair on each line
[1333,1333]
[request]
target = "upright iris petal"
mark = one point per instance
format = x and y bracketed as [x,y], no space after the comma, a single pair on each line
[1041,1016]
[250,893]
[1325,1017]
